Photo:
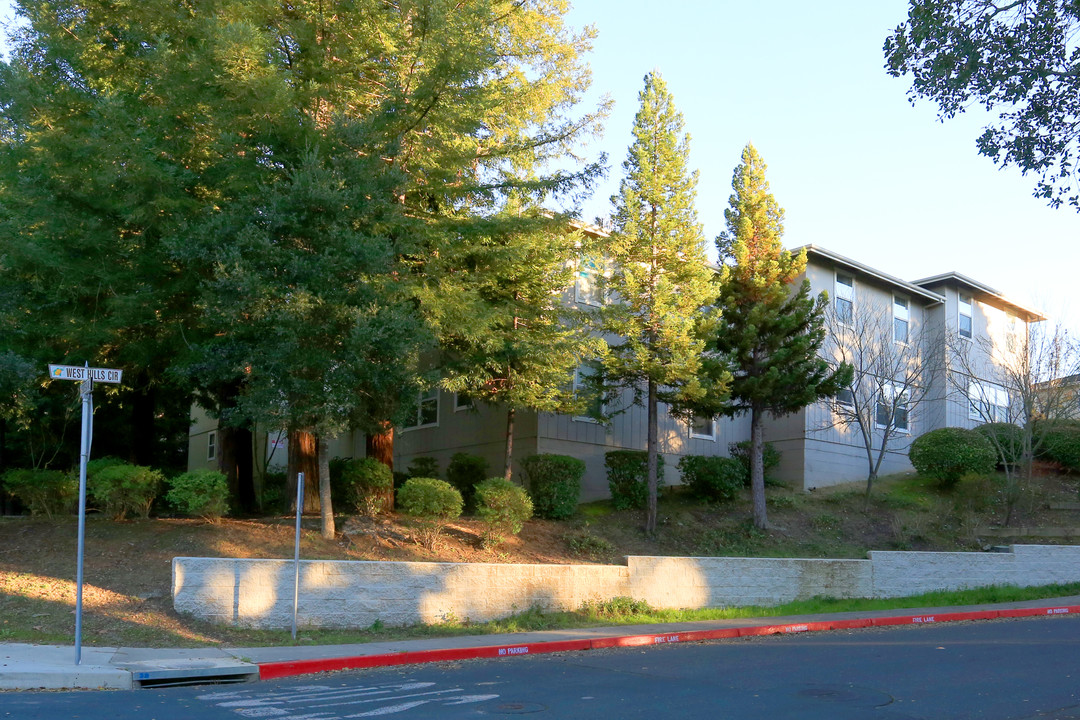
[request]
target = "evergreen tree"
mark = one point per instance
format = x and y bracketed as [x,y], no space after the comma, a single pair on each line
[660,281]
[769,332]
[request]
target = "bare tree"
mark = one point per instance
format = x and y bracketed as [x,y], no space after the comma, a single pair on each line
[1019,379]
[896,370]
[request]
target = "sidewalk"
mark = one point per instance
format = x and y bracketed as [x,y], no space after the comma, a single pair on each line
[29,667]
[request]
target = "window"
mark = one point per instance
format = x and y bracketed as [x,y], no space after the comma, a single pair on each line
[594,407]
[1011,325]
[211,445]
[844,301]
[892,403]
[845,397]
[427,409]
[987,402]
[587,286]
[462,402]
[703,427]
[964,318]
[900,319]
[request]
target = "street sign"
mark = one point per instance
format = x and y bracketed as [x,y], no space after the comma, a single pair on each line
[74,372]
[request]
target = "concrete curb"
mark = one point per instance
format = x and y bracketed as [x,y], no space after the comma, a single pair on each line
[273,670]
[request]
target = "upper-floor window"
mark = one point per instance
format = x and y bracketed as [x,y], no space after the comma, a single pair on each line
[211,445]
[900,319]
[964,315]
[587,290]
[594,407]
[1011,332]
[462,402]
[844,299]
[987,402]
[427,409]
[892,408]
[703,427]
[845,397]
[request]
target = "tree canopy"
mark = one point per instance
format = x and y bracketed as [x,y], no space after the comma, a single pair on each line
[1018,60]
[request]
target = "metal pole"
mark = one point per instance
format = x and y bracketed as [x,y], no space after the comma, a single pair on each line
[296,553]
[85,389]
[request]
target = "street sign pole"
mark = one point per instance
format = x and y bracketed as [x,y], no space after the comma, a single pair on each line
[85,376]
[86,389]
[296,553]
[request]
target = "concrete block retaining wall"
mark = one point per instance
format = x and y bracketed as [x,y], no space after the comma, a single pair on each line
[259,593]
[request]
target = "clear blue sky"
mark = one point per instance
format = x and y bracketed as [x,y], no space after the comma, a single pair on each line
[856,167]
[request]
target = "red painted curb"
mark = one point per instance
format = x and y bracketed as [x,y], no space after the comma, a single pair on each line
[270,671]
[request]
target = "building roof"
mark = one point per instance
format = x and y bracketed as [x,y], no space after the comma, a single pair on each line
[909,288]
[985,293]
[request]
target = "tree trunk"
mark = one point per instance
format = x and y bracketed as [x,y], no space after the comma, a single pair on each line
[381,445]
[326,507]
[508,466]
[650,518]
[303,458]
[757,470]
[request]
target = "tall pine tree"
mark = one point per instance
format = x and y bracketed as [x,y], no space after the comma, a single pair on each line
[769,332]
[660,281]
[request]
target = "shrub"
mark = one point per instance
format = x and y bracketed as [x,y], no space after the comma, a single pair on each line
[273,498]
[555,484]
[43,492]
[465,472]
[585,543]
[947,454]
[433,503]
[1061,443]
[202,493]
[770,458]
[368,485]
[122,489]
[423,466]
[628,477]
[504,507]
[93,467]
[1007,439]
[712,478]
[617,607]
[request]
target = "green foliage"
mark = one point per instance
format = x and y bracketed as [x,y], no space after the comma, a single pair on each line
[423,466]
[1015,59]
[504,507]
[369,485]
[465,472]
[770,459]
[202,493]
[712,478]
[1007,439]
[770,329]
[555,484]
[433,503]
[628,477]
[43,492]
[620,606]
[273,498]
[587,544]
[948,454]
[659,272]
[1061,443]
[93,467]
[123,489]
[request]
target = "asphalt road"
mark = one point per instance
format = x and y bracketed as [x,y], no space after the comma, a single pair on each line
[995,670]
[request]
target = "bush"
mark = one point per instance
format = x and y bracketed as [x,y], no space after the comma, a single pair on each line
[43,492]
[628,477]
[712,478]
[433,503]
[122,489]
[504,507]
[555,484]
[948,454]
[423,466]
[465,472]
[1007,439]
[770,459]
[368,485]
[1061,443]
[202,493]
[273,498]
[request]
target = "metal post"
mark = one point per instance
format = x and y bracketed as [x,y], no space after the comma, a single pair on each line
[296,553]
[86,390]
